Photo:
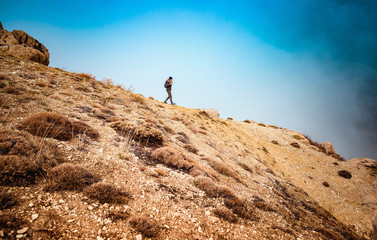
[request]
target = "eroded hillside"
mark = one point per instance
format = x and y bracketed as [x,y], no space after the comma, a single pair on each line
[82,158]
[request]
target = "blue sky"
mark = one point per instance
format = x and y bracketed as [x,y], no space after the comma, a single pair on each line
[309,66]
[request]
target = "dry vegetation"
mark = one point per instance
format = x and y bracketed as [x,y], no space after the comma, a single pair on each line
[145,226]
[69,176]
[106,193]
[146,133]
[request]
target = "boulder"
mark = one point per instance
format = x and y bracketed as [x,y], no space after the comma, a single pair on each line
[212,112]
[327,148]
[19,44]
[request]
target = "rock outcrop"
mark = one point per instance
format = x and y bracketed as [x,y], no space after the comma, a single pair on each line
[19,44]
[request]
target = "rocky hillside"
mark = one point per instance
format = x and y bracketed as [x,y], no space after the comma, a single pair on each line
[84,159]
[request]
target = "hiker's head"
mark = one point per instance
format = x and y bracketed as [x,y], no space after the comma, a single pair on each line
[170,78]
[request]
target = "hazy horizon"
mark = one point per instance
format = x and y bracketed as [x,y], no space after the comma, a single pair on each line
[308,66]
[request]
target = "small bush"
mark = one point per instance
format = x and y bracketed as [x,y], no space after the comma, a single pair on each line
[262,124]
[17,171]
[247,121]
[69,176]
[79,127]
[146,133]
[224,169]
[240,207]
[245,166]
[106,193]
[264,206]
[275,142]
[43,154]
[297,137]
[173,158]
[212,189]
[191,148]
[86,76]
[10,220]
[12,90]
[7,200]
[3,84]
[296,145]
[345,174]
[225,213]
[48,124]
[118,215]
[4,77]
[138,98]
[183,137]
[145,226]
[169,129]
[326,184]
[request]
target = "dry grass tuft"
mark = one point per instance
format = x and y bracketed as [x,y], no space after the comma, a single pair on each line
[4,77]
[191,148]
[240,207]
[224,169]
[43,154]
[247,121]
[10,220]
[145,226]
[296,145]
[117,215]
[169,130]
[7,200]
[47,124]
[173,158]
[79,127]
[262,124]
[69,176]
[225,213]
[106,193]
[17,171]
[12,90]
[86,76]
[137,98]
[146,133]
[326,184]
[245,166]
[345,174]
[275,142]
[297,137]
[212,189]
[264,206]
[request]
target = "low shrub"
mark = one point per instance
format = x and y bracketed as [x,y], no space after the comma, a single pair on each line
[7,200]
[224,169]
[169,129]
[173,158]
[48,124]
[145,226]
[43,154]
[12,90]
[10,220]
[106,193]
[326,184]
[296,145]
[191,148]
[68,176]
[247,121]
[117,215]
[183,137]
[245,166]
[225,213]
[79,127]
[213,189]
[345,174]
[297,137]
[264,206]
[262,124]
[145,133]
[4,77]
[17,171]
[240,207]
[275,142]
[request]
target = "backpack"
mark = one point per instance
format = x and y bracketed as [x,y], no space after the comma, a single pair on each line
[167,84]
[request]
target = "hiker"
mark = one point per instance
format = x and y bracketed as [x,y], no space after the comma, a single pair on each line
[168,84]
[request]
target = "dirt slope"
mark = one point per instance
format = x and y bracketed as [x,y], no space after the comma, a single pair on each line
[101,162]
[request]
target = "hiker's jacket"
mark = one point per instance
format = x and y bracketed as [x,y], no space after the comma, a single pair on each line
[168,84]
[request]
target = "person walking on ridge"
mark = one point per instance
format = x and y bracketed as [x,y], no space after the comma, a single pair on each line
[168,84]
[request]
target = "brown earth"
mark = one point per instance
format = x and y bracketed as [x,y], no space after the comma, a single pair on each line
[180,173]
